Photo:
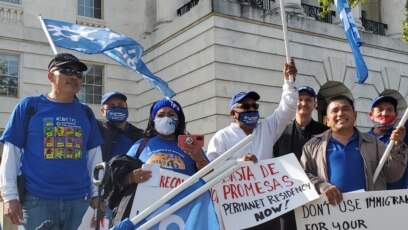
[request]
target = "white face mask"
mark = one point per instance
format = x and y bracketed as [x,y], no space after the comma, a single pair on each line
[165,125]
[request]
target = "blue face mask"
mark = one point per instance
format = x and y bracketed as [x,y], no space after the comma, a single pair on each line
[117,114]
[249,118]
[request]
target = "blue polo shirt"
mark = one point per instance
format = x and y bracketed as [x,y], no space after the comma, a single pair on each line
[345,165]
[402,183]
[385,138]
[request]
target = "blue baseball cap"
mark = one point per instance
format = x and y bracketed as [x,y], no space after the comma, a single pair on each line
[308,90]
[241,95]
[111,94]
[389,99]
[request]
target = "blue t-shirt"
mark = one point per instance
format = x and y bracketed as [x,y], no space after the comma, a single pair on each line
[55,147]
[167,154]
[345,165]
[402,183]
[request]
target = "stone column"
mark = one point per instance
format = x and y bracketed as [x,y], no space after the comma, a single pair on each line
[356,11]
[293,7]
[392,13]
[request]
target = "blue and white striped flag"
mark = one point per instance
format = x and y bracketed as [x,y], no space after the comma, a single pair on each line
[353,37]
[198,214]
[93,40]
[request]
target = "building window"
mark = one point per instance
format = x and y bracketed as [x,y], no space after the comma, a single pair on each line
[91,90]
[9,75]
[90,8]
[12,1]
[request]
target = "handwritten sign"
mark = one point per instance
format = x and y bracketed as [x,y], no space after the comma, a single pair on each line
[147,195]
[377,210]
[256,193]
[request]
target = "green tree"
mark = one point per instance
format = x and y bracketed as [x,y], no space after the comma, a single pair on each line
[325,4]
[405,25]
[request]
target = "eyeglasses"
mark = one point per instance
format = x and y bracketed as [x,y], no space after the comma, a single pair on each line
[71,72]
[248,106]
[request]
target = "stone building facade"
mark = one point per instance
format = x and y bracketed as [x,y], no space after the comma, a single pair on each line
[207,50]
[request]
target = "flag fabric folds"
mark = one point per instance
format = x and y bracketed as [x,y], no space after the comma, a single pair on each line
[353,37]
[199,214]
[93,40]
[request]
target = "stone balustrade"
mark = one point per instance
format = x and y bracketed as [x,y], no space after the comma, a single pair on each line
[11,13]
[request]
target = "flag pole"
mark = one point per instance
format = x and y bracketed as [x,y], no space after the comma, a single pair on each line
[149,224]
[285,34]
[54,50]
[194,178]
[388,149]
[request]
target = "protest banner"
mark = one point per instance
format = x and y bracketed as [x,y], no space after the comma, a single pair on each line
[259,192]
[147,195]
[377,210]
[197,214]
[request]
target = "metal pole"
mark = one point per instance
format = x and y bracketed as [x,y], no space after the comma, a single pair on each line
[44,27]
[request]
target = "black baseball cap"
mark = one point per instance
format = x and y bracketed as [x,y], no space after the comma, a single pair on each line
[66,59]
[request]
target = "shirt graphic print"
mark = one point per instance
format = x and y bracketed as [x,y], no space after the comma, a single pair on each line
[62,138]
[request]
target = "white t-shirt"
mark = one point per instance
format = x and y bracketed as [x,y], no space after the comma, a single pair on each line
[265,133]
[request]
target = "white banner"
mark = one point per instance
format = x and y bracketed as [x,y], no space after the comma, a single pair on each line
[377,210]
[260,192]
[147,195]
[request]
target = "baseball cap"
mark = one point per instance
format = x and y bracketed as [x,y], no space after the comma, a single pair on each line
[241,95]
[389,99]
[63,59]
[111,94]
[308,90]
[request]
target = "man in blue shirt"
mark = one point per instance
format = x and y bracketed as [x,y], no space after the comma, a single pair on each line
[384,114]
[118,134]
[54,141]
[342,159]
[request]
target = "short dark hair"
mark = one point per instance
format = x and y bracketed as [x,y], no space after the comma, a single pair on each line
[180,129]
[338,98]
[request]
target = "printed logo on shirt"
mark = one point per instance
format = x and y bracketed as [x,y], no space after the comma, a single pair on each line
[62,138]
[168,161]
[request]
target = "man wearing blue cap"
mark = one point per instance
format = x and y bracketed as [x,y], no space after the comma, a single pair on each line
[384,114]
[244,111]
[118,134]
[295,135]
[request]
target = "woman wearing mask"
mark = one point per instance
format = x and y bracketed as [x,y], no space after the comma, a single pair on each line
[166,123]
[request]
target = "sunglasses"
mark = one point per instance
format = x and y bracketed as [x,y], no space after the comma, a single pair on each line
[71,72]
[248,106]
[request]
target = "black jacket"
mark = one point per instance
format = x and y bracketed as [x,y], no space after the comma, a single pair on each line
[119,198]
[293,139]
[109,134]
